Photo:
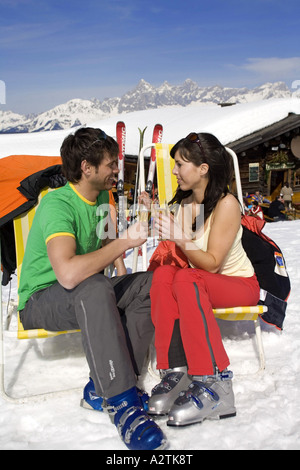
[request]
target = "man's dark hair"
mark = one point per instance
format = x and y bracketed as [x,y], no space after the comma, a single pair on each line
[88,144]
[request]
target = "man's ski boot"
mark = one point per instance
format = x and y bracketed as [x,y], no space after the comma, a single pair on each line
[92,401]
[208,397]
[137,430]
[165,393]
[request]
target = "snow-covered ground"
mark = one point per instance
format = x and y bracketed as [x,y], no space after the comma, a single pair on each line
[268,409]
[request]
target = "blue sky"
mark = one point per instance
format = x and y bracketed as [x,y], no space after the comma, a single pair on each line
[52,51]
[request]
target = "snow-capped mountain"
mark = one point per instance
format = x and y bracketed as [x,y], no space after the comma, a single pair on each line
[144,96]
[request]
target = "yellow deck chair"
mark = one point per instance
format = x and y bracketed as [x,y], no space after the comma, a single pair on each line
[167,185]
[22,225]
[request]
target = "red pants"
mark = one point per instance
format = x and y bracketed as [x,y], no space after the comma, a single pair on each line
[190,295]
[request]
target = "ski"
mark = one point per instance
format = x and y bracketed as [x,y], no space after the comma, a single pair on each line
[142,133]
[121,139]
[157,137]
[137,250]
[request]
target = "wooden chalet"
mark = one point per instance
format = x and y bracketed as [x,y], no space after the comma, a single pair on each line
[269,157]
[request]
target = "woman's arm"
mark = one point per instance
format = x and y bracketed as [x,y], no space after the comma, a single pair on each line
[120,266]
[225,225]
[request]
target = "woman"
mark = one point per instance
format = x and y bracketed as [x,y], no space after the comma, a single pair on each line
[207,229]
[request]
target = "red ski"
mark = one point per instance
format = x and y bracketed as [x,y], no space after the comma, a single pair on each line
[157,137]
[121,139]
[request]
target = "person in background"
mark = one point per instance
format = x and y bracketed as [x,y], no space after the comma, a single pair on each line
[287,194]
[256,210]
[276,209]
[257,196]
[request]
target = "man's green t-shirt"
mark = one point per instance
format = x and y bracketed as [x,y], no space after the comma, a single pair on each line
[61,212]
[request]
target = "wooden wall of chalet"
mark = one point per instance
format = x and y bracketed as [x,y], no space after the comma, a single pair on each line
[256,155]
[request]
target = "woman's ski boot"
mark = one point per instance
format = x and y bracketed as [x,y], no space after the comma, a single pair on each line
[165,393]
[208,397]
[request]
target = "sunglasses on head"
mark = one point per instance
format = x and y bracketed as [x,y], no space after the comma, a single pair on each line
[101,137]
[193,137]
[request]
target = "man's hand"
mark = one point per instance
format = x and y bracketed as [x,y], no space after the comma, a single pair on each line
[137,234]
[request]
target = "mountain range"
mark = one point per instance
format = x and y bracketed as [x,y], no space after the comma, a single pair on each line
[79,112]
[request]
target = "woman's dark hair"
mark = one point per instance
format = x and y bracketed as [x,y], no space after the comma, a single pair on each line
[88,144]
[206,149]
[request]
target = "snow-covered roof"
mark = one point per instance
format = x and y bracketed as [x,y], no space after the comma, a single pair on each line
[228,123]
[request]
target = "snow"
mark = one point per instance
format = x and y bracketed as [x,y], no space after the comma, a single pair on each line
[268,411]
[228,124]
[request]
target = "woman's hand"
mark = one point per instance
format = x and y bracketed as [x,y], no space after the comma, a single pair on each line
[168,228]
[120,266]
[144,199]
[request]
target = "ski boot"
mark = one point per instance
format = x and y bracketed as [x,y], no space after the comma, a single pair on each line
[136,429]
[164,394]
[208,397]
[92,401]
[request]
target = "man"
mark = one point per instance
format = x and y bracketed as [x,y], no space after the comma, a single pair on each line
[276,209]
[61,287]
